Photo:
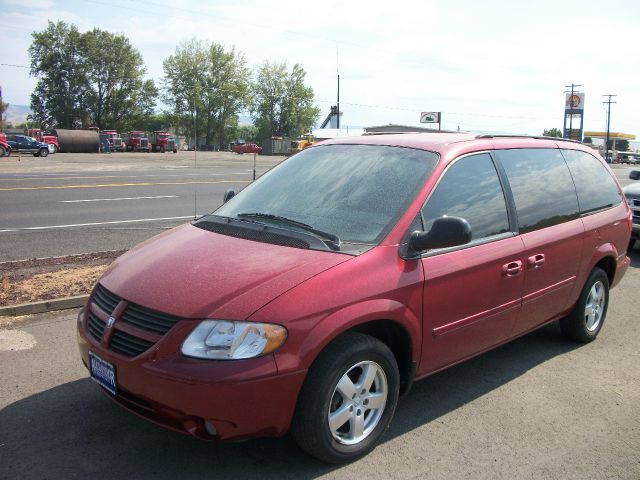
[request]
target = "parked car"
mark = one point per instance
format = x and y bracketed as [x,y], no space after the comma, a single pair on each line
[317,295]
[24,144]
[632,194]
[246,148]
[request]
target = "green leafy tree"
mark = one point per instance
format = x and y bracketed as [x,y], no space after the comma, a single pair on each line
[87,79]
[283,105]
[205,81]
[3,111]
[117,93]
[621,145]
[554,132]
[58,62]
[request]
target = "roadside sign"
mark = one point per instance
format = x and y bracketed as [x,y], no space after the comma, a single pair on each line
[430,117]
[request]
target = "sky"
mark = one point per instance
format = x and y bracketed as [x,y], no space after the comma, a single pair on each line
[499,66]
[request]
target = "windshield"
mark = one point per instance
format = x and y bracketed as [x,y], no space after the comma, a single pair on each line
[355,192]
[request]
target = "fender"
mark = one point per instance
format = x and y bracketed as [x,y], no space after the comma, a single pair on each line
[346,319]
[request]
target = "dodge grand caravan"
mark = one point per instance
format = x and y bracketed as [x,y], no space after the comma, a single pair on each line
[312,299]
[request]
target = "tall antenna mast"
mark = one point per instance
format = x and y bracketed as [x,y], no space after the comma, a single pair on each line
[195,160]
[338,100]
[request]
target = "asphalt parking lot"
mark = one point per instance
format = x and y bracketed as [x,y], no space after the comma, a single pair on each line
[539,407]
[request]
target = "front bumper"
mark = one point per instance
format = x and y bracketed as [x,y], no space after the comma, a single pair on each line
[241,399]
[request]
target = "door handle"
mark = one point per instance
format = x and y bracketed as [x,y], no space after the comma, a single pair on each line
[535,261]
[512,269]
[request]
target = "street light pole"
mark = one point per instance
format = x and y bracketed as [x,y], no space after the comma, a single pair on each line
[608,103]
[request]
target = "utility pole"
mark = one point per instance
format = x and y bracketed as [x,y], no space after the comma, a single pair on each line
[608,103]
[572,91]
[338,103]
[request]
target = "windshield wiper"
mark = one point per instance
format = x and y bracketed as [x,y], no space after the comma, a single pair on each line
[331,240]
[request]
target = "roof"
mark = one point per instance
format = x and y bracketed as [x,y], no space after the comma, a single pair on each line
[441,142]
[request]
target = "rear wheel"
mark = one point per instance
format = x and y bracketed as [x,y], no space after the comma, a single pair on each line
[348,399]
[585,321]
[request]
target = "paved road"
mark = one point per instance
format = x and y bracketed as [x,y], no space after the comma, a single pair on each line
[69,204]
[540,407]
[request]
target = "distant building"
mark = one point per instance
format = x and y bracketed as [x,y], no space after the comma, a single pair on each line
[394,128]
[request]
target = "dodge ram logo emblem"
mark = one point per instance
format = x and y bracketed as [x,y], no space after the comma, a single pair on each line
[110,322]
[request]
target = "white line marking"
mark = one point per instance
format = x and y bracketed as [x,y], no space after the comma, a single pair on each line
[115,199]
[94,224]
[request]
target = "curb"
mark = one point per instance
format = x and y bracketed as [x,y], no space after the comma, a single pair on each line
[44,306]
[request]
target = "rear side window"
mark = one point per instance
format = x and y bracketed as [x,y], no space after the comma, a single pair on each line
[542,187]
[596,187]
[470,189]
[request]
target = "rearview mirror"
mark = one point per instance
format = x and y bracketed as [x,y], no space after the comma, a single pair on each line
[228,195]
[445,232]
[634,175]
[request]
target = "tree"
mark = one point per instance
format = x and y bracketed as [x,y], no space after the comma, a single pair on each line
[621,145]
[3,110]
[117,94]
[205,80]
[283,105]
[57,61]
[554,132]
[87,79]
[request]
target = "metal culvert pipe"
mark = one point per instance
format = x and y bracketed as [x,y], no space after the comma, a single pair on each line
[78,141]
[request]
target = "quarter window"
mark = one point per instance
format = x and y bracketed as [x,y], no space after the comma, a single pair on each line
[470,189]
[542,187]
[596,187]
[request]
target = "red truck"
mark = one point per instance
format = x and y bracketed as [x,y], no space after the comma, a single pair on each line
[115,140]
[5,149]
[136,141]
[159,141]
[42,137]
[241,148]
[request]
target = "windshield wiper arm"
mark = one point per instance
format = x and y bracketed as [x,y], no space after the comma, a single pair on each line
[331,240]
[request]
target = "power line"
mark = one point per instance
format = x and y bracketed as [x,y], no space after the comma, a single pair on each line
[12,65]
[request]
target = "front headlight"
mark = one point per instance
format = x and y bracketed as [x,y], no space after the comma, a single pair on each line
[227,340]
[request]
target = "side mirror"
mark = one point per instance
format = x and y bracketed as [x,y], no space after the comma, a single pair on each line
[634,175]
[228,195]
[445,232]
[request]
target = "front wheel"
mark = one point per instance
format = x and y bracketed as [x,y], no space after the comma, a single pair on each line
[55,149]
[348,399]
[44,152]
[3,151]
[585,321]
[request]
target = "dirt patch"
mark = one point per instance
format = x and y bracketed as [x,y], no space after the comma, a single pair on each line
[39,279]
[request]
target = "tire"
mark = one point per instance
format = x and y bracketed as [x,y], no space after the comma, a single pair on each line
[161,149]
[3,151]
[585,321]
[632,242]
[55,149]
[43,152]
[352,361]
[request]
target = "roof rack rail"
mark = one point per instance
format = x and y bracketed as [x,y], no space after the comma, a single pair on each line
[413,131]
[537,137]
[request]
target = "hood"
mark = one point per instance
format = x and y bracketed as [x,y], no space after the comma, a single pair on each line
[194,273]
[632,190]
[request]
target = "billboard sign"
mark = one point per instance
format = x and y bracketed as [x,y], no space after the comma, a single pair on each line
[574,102]
[430,117]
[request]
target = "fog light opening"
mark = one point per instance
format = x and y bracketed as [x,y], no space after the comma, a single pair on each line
[211,430]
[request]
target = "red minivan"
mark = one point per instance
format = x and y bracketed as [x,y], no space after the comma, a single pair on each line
[312,299]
